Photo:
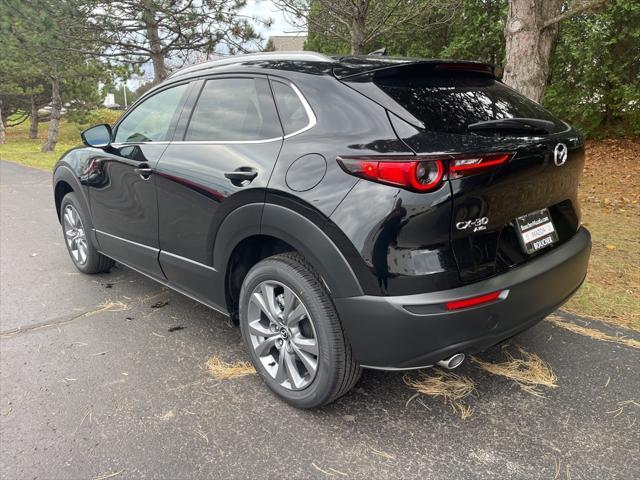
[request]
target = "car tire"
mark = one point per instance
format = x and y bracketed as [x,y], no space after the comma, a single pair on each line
[286,288]
[75,229]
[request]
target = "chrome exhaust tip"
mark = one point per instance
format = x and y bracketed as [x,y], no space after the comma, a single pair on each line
[452,362]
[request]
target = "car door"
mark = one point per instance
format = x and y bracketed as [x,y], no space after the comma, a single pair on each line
[122,192]
[221,158]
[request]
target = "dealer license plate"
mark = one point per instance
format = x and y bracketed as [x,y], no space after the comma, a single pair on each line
[536,230]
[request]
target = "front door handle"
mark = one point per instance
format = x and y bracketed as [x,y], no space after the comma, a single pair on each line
[144,172]
[242,174]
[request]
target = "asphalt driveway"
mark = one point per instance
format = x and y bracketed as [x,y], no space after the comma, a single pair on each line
[93,384]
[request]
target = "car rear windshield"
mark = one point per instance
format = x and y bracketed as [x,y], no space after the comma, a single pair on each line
[449,102]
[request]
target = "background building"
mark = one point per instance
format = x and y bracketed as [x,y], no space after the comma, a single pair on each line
[286,43]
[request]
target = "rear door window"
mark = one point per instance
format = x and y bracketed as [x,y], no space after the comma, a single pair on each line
[234,110]
[291,108]
[449,102]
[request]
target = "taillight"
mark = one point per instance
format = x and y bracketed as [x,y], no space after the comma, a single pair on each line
[406,172]
[461,165]
[420,173]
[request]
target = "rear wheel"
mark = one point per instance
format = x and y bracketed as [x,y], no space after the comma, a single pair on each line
[292,333]
[74,222]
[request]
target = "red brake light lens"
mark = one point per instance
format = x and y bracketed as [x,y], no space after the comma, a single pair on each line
[420,174]
[462,165]
[405,172]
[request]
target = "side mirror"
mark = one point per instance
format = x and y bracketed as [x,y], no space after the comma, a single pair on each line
[98,136]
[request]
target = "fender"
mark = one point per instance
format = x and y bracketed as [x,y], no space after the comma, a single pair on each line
[299,232]
[64,173]
[75,159]
[70,167]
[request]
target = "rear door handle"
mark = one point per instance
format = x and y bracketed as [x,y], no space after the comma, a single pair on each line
[243,174]
[144,172]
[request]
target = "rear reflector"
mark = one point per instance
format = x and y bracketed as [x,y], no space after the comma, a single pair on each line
[475,301]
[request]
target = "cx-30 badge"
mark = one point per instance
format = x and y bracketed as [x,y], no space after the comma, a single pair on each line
[477,224]
[560,154]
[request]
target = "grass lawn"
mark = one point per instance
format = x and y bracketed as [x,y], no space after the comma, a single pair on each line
[609,192]
[27,152]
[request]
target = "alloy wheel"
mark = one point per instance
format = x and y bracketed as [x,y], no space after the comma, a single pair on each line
[74,234]
[283,335]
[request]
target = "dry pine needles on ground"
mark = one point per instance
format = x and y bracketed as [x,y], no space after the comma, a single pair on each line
[447,385]
[227,371]
[529,371]
[592,332]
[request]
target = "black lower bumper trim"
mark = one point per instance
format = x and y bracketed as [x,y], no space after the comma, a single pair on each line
[386,332]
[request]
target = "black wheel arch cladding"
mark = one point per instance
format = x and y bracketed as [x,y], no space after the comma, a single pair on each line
[65,181]
[294,229]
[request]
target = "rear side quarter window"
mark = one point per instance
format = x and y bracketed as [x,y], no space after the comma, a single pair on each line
[295,113]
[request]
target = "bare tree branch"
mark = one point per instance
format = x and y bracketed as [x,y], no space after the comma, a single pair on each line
[571,12]
[361,22]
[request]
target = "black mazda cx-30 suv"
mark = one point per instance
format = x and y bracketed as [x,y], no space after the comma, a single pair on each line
[347,212]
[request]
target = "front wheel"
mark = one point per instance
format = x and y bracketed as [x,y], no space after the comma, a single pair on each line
[292,333]
[75,222]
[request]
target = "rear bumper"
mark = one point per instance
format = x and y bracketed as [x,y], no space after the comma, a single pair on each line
[414,331]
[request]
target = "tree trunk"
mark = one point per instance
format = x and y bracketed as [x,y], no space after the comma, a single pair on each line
[54,124]
[159,68]
[358,26]
[529,45]
[33,129]
[2,134]
[157,55]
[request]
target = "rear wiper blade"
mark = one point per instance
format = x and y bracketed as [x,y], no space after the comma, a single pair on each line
[530,125]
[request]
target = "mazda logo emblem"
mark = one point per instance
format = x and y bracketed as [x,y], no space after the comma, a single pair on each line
[560,154]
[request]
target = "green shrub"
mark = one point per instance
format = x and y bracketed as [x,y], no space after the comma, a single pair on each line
[88,118]
[101,115]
